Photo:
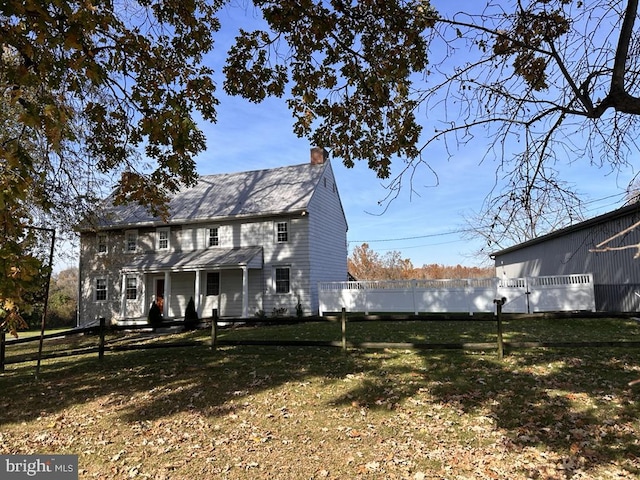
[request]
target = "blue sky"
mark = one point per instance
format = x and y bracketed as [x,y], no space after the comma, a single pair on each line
[423,223]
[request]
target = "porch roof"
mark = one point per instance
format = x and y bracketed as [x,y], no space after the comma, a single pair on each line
[210,258]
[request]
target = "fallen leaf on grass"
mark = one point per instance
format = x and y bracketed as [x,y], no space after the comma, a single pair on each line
[372,466]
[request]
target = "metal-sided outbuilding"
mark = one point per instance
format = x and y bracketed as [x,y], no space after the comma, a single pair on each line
[607,246]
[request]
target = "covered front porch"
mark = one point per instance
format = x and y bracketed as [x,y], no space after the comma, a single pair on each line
[227,280]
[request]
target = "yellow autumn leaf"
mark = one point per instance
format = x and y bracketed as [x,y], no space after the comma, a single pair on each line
[8,304]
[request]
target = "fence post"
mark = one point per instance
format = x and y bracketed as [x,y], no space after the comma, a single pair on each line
[3,343]
[366,300]
[499,303]
[414,287]
[101,344]
[343,321]
[214,328]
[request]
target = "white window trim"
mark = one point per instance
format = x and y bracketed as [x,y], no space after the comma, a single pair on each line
[276,231]
[159,231]
[94,286]
[126,241]
[275,284]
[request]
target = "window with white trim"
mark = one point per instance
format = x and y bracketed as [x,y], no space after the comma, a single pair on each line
[282,232]
[100,292]
[213,238]
[162,236]
[130,241]
[102,242]
[132,288]
[282,279]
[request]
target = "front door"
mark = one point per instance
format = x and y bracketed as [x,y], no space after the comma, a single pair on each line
[160,294]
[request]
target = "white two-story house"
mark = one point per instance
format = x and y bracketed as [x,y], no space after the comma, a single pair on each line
[240,244]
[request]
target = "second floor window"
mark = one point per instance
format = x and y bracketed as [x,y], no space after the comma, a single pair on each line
[102,243]
[163,238]
[213,239]
[131,241]
[282,232]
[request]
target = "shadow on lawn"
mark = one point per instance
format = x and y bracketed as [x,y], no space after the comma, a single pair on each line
[574,403]
[164,381]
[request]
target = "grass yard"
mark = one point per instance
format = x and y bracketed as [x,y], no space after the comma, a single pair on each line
[254,412]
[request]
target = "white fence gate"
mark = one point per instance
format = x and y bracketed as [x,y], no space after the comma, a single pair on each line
[524,295]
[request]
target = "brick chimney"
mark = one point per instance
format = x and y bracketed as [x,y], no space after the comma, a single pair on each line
[318,155]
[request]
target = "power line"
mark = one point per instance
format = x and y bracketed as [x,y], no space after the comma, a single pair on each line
[452,232]
[469,230]
[424,245]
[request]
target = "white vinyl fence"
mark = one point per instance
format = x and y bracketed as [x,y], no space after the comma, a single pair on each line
[524,295]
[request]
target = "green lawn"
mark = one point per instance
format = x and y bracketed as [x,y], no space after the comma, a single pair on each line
[452,331]
[252,412]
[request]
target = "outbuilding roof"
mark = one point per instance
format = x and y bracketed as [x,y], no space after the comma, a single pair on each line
[605,217]
[245,194]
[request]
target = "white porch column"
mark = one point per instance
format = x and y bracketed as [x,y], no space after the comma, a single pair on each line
[143,295]
[245,292]
[196,293]
[123,297]
[167,293]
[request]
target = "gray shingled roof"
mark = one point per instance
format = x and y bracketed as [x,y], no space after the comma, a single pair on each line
[254,193]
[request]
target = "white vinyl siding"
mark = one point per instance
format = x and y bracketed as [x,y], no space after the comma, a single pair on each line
[187,239]
[182,289]
[327,237]
[230,298]
[252,233]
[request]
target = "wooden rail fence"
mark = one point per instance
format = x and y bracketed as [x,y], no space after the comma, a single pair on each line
[103,346]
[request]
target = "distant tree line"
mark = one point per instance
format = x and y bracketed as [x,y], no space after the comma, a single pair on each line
[366,264]
[63,301]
